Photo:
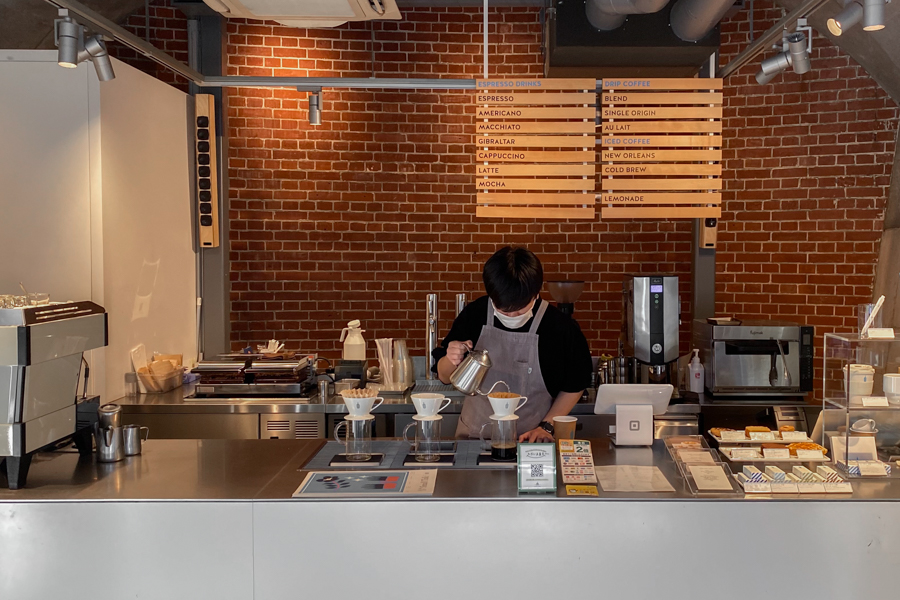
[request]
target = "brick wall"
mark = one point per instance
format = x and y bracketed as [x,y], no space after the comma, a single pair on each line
[364,215]
[168,32]
[807,171]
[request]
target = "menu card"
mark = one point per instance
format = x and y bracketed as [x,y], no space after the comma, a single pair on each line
[576,461]
[710,478]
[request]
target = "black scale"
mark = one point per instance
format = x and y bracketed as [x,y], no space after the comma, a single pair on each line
[444,460]
[486,460]
[341,460]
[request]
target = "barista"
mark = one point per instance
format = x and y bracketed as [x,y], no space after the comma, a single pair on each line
[536,349]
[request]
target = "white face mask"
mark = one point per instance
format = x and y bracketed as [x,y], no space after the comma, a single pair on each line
[514,322]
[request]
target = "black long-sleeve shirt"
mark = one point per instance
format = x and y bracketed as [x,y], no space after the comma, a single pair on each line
[562,349]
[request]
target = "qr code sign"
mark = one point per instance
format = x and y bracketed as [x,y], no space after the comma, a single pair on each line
[537,470]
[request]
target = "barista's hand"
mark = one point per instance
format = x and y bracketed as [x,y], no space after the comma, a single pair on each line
[535,435]
[457,350]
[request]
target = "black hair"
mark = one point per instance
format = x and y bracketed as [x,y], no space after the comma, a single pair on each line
[513,278]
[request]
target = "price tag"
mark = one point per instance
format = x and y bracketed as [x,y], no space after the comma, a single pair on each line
[733,436]
[757,487]
[784,487]
[793,436]
[776,453]
[838,487]
[762,435]
[810,454]
[744,453]
[881,333]
[696,456]
[581,490]
[871,468]
[811,487]
[874,401]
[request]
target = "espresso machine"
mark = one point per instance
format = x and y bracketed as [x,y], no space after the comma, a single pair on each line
[41,357]
[651,313]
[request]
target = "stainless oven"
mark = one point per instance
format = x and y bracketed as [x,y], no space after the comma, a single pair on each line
[755,358]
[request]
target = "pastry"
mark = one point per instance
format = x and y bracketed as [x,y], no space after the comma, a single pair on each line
[755,429]
[805,446]
[786,428]
[770,446]
[717,431]
[359,393]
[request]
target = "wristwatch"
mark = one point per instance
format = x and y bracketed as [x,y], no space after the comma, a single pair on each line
[546,427]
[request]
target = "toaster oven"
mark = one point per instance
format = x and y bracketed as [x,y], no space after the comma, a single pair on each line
[755,358]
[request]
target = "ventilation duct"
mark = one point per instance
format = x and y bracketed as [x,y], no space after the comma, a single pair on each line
[644,46]
[692,20]
[607,15]
[307,13]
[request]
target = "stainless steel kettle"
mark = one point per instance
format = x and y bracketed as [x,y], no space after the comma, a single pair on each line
[470,373]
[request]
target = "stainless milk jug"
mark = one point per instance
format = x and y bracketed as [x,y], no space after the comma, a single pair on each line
[110,444]
[470,373]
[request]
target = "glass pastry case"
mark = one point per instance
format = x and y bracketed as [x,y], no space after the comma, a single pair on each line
[860,424]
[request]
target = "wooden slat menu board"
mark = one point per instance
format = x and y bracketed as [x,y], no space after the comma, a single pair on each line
[661,148]
[536,155]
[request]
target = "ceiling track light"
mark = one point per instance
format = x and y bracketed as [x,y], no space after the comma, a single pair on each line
[315,111]
[68,39]
[74,49]
[847,18]
[873,15]
[796,55]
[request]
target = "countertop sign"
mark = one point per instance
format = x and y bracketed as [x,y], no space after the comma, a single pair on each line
[661,148]
[536,154]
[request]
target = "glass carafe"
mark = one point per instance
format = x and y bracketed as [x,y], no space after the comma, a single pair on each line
[358,440]
[503,438]
[427,443]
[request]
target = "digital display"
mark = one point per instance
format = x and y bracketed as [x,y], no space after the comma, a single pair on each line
[656,289]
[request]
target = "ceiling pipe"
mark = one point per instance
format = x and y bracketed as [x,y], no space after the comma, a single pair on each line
[607,15]
[692,20]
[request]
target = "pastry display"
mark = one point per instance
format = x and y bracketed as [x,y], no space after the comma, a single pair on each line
[360,393]
[805,446]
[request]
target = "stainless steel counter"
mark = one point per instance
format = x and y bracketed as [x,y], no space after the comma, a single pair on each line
[212,519]
[265,470]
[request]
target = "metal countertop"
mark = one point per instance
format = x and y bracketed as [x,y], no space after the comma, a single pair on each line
[269,470]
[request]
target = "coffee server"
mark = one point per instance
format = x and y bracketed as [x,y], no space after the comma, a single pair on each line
[650,317]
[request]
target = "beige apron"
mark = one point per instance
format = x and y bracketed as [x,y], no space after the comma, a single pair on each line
[514,356]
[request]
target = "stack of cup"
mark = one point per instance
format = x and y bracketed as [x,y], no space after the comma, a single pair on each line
[892,388]
[427,443]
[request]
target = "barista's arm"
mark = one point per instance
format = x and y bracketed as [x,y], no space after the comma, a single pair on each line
[564,403]
[455,353]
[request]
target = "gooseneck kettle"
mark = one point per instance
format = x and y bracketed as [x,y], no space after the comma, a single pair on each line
[470,373]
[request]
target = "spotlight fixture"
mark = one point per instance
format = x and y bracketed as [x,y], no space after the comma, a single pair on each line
[74,49]
[796,55]
[873,18]
[315,112]
[68,38]
[95,51]
[847,18]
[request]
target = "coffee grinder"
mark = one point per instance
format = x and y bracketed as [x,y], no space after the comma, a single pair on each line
[651,313]
[565,293]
